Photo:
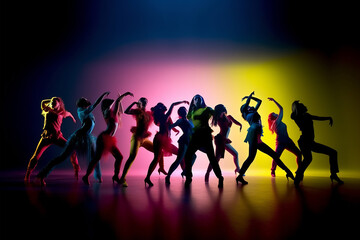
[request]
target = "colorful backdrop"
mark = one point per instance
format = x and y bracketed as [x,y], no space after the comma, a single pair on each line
[168,52]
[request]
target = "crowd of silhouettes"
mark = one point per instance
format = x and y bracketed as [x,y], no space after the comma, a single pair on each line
[196,135]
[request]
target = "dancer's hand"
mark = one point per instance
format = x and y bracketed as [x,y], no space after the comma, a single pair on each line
[331,121]
[271,99]
[186,102]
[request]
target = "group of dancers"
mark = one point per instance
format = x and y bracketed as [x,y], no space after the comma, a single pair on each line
[196,135]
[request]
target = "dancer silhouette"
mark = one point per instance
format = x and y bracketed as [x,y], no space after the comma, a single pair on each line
[253,137]
[106,141]
[222,142]
[162,141]
[200,114]
[304,120]
[81,141]
[186,127]
[140,135]
[54,112]
[283,141]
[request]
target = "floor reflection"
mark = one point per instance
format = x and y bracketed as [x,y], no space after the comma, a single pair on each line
[270,208]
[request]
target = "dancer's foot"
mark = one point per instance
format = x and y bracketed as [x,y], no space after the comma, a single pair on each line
[335,177]
[207,174]
[116,179]
[147,181]
[85,179]
[161,170]
[221,182]
[241,180]
[167,180]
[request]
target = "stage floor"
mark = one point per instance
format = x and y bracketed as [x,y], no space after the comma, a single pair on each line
[266,208]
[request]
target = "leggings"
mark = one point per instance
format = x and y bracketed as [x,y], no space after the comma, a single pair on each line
[291,147]
[201,139]
[100,150]
[307,147]
[253,147]
[69,148]
[232,151]
[158,153]
[43,144]
[135,144]
[179,159]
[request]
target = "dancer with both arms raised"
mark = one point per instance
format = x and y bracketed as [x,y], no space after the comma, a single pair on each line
[106,141]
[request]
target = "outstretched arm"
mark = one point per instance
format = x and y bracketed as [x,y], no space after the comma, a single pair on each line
[322,119]
[92,107]
[281,113]
[168,113]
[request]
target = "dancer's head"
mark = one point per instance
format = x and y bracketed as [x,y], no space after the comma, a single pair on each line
[106,103]
[158,111]
[142,103]
[197,102]
[243,108]
[83,103]
[182,112]
[271,120]
[57,104]
[298,109]
[219,109]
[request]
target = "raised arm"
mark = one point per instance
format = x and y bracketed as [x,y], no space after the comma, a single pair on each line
[129,108]
[322,119]
[45,104]
[118,100]
[281,112]
[253,98]
[246,105]
[92,107]
[168,113]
